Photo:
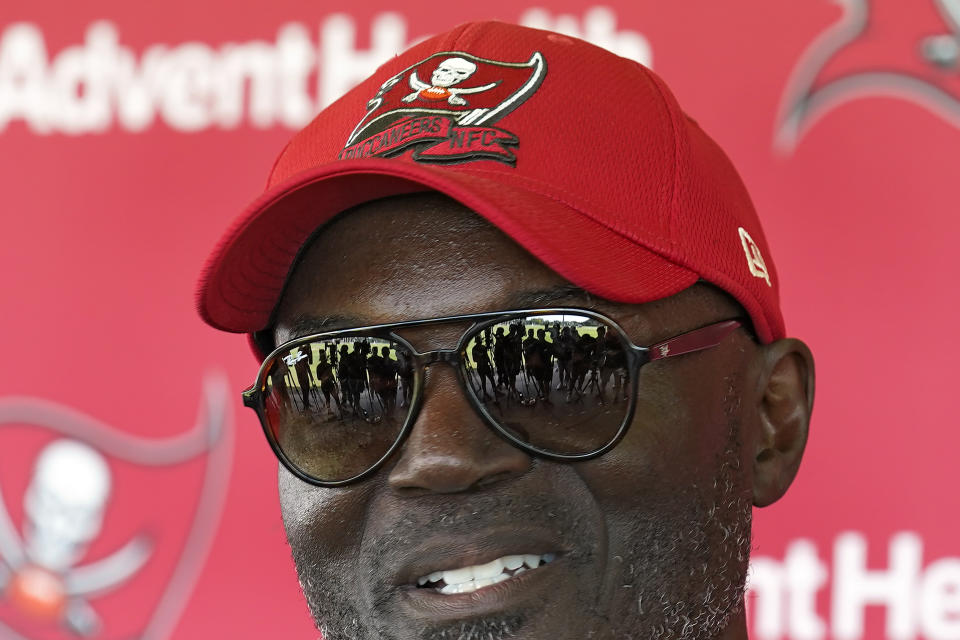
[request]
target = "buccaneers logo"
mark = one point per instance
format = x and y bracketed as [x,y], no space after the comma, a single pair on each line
[878,48]
[100,551]
[442,108]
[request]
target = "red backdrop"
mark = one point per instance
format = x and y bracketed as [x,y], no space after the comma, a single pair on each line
[131,136]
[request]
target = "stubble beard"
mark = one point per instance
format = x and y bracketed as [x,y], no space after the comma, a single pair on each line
[683,577]
[692,587]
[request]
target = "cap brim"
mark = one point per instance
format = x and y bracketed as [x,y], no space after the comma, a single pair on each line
[246,273]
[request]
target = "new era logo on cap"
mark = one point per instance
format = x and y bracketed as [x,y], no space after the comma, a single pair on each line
[755,261]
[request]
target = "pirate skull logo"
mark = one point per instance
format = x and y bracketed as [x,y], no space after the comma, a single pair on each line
[443,81]
[432,115]
[62,558]
[64,506]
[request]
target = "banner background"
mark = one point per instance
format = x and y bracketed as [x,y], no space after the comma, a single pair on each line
[106,230]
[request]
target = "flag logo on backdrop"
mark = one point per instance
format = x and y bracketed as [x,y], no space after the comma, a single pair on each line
[878,48]
[443,108]
[90,544]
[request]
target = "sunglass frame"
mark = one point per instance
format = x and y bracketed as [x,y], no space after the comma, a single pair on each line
[637,356]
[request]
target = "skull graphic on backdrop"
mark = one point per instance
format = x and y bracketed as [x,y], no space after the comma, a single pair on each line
[64,508]
[44,573]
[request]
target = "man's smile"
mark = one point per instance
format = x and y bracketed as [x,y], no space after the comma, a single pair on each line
[507,584]
[469,579]
[450,565]
[477,559]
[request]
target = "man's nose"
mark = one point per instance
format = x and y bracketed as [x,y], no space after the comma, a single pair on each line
[450,449]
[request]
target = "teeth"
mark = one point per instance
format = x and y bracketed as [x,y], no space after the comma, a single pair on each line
[469,579]
[473,585]
[482,582]
[456,576]
[489,570]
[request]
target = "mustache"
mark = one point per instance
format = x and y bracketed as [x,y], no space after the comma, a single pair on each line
[457,514]
[457,518]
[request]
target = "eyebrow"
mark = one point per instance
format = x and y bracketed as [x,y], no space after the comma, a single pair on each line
[552,296]
[307,324]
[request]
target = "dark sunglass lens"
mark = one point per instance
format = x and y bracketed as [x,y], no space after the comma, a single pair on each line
[335,407]
[557,382]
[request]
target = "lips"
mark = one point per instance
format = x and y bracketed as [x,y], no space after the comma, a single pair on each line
[455,561]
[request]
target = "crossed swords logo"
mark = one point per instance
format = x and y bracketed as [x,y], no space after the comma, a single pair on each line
[41,571]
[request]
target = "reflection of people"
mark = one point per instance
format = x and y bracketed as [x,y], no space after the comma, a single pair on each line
[539,363]
[352,375]
[649,538]
[328,386]
[581,361]
[613,363]
[484,369]
[500,357]
[405,373]
[302,367]
[564,351]
[383,379]
[513,357]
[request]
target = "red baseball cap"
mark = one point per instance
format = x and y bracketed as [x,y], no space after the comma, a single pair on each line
[582,157]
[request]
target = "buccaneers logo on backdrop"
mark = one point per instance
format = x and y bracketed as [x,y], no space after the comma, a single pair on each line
[907,50]
[443,107]
[103,533]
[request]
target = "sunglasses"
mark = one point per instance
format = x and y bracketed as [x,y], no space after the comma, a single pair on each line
[558,383]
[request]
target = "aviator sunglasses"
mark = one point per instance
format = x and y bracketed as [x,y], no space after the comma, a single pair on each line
[557,383]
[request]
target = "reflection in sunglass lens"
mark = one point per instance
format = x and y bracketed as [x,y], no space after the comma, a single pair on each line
[557,382]
[336,406]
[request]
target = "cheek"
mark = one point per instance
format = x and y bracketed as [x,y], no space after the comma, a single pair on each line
[675,443]
[321,523]
[685,412]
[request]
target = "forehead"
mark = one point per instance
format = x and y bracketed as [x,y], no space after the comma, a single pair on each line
[412,257]
[423,256]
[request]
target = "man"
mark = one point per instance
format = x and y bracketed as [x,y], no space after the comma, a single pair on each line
[568,190]
[327,382]
[481,358]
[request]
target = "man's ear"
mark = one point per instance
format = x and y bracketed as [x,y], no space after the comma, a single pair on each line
[785,401]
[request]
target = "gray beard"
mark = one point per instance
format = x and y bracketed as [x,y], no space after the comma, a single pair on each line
[682,578]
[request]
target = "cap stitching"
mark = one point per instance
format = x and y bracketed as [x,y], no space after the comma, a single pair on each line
[676,153]
[459,32]
[276,162]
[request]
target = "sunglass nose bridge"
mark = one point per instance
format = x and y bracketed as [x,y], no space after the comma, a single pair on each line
[439,355]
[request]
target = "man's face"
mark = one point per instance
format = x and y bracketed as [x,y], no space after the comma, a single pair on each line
[651,539]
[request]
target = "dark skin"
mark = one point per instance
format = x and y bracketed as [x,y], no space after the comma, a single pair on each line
[644,535]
